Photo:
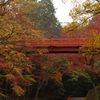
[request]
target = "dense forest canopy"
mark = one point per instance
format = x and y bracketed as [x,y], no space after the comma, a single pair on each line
[38,75]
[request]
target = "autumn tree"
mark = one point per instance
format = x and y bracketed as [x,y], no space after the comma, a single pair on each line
[82,13]
[3,6]
[86,22]
[87,64]
[15,71]
[17,25]
[16,33]
[48,68]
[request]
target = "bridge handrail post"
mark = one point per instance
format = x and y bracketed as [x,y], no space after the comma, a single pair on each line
[78,41]
[52,41]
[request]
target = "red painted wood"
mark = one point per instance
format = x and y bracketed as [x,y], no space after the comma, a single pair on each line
[59,42]
[67,45]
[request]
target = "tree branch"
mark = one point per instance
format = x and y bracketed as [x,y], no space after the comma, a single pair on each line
[5,3]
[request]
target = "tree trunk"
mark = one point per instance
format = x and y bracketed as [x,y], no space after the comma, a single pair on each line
[5,89]
[38,89]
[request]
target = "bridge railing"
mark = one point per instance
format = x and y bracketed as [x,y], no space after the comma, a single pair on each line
[59,42]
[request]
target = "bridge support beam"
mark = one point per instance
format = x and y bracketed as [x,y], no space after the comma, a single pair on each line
[63,49]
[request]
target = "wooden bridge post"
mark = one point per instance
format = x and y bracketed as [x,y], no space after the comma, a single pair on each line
[79,41]
[52,41]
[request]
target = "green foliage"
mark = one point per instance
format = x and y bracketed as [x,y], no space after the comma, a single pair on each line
[94,94]
[57,88]
[1,76]
[44,18]
[76,87]
[29,77]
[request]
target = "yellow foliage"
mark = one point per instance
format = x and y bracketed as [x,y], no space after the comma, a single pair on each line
[83,11]
[2,95]
[92,47]
[18,71]
[71,28]
[19,63]
[17,31]
[16,26]
[10,76]
[18,90]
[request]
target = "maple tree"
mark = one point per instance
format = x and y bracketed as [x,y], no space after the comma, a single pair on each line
[22,27]
[87,64]
[82,13]
[86,20]
[90,54]
[48,67]
[15,74]
[16,32]
[18,28]
[3,6]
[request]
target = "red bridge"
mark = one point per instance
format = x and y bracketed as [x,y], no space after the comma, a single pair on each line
[68,45]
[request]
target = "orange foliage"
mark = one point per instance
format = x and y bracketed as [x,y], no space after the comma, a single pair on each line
[57,76]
